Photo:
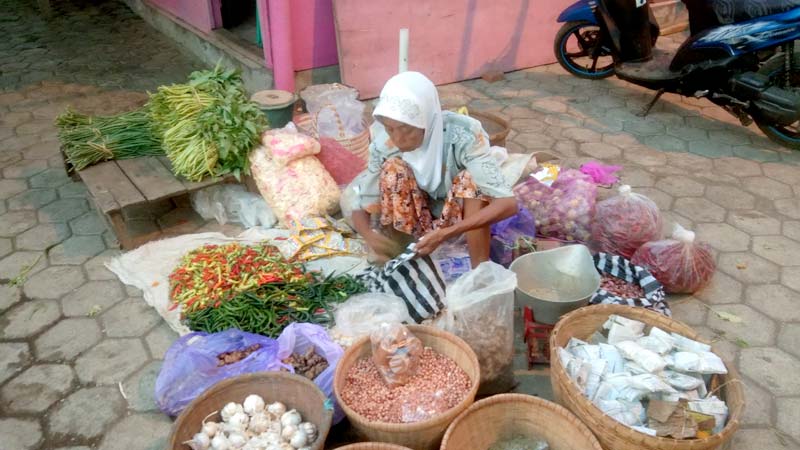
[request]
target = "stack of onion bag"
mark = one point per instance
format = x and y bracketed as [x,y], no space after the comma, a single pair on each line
[292,180]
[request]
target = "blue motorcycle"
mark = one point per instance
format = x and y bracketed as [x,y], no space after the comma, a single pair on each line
[740,55]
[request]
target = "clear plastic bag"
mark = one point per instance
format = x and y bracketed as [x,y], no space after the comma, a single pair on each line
[624,223]
[286,145]
[191,365]
[513,237]
[297,338]
[343,118]
[396,353]
[453,259]
[231,203]
[480,310]
[563,210]
[362,314]
[422,406]
[681,264]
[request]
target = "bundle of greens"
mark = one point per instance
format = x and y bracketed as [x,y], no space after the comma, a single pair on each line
[208,126]
[271,307]
[87,140]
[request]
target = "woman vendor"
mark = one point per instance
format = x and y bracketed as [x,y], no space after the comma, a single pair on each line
[430,175]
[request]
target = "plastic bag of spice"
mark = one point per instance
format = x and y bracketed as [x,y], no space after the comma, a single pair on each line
[624,223]
[300,339]
[396,353]
[480,310]
[197,361]
[681,264]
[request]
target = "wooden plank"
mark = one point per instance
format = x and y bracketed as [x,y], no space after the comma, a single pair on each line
[110,187]
[192,186]
[152,179]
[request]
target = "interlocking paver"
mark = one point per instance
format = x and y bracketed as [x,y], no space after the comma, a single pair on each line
[31,199]
[777,249]
[67,339]
[21,264]
[730,197]
[789,207]
[9,296]
[73,189]
[117,321]
[699,209]
[767,188]
[24,168]
[760,330]
[12,223]
[159,340]
[754,222]
[42,236]
[759,438]
[661,198]
[111,361]
[76,250]
[13,357]
[53,282]
[126,435]
[775,300]
[769,367]
[92,298]
[63,210]
[36,389]
[140,386]
[96,269]
[723,237]
[20,434]
[600,150]
[28,318]
[758,410]
[89,223]
[87,412]
[785,173]
[50,178]
[748,268]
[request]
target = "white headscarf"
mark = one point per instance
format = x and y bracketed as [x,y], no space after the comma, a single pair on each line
[411,98]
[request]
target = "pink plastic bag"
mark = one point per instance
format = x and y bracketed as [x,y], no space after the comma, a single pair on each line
[624,223]
[341,163]
[682,265]
[563,210]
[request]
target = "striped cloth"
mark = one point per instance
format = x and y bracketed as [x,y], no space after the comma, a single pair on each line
[414,278]
[619,267]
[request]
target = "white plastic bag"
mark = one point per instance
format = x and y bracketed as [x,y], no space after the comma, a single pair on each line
[698,362]
[231,203]
[480,310]
[649,360]
[622,329]
[362,314]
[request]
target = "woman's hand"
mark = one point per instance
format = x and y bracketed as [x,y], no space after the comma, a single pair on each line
[430,242]
[383,247]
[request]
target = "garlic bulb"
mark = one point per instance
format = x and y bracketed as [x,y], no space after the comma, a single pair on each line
[288,431]
[276,409]
[229,410]
[291,418]
[200,441]
[259,423]
[286,446]
[299,439]
[310,429]
[237,422]
[275,426]
[274,447]
[210,429]
[253,404]
[220,442]
[236,440]
[271,437]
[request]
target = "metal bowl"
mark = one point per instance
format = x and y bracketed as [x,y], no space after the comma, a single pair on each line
[555,282]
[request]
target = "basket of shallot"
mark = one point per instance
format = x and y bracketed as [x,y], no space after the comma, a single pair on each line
[405,384]
[258,410]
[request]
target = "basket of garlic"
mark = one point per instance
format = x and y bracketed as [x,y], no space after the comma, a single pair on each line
[264,411]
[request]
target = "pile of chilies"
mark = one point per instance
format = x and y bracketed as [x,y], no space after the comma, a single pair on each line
[252,288]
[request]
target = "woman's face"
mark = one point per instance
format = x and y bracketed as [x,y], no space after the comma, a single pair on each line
[407,138]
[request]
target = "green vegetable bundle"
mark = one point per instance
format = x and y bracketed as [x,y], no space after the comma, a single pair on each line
[272,307]
[208,126]
[87,140]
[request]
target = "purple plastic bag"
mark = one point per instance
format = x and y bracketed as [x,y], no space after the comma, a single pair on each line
[296,338]
[190,365]
[507,233]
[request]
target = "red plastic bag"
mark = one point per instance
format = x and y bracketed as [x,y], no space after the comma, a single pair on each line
[682,265]
[341,163]
[624,223]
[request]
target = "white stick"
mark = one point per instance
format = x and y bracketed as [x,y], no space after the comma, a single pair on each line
[403,59]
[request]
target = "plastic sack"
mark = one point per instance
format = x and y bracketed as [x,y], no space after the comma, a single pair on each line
[191,365]
[513,237]
[362,314]
[231,203]
[302,188]
[624,223]
[563,210]
[480,310]
[682,265]
[396,353]
[297,338]
[341,163]
[286,145]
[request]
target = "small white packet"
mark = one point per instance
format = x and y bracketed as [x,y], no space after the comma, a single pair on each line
[663,336]
[674,397]
[689,345]
[628,413]
[654,344]
[596,372]
[623,329]
[681,381]
[649,360]
[625,387]
[651,383]
[613,358]
[587,352]
[645,430]
[698,362]
[712,406]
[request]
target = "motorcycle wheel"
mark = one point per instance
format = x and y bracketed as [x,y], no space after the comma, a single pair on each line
[787,136]
[580,51]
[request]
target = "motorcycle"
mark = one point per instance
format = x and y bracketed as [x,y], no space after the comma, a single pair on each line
[740,55]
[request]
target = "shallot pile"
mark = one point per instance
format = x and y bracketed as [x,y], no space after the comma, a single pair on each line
[254,425]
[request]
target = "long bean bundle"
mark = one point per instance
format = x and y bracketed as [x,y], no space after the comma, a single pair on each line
[87,140]
[208,126]
[272,307]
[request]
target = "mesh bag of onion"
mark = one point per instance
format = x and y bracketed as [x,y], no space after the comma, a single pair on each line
[625,222]
[681,264]
[624,283]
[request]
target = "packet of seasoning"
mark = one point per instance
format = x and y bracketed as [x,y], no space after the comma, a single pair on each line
[396,353]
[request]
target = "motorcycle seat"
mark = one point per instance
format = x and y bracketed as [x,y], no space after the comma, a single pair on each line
[705,14]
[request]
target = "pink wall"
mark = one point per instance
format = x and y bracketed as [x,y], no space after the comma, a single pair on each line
[313,34]
[197,13]
[450,40]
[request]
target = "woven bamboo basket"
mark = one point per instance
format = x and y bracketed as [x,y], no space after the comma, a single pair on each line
[292,390]
[358,145]
[427,434]
[612,434]
[373,446]
[506,416]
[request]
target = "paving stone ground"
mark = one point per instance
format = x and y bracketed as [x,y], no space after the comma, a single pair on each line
[71,334]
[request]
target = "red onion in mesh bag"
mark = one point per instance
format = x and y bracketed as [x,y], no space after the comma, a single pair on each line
[624,223]
[682,265]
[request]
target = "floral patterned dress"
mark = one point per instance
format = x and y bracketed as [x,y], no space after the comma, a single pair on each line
[388,188]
